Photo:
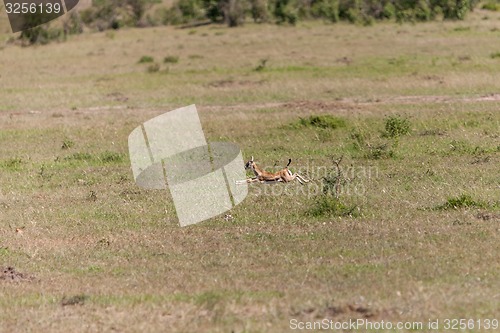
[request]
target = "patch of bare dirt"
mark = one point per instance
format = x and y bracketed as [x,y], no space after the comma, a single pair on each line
[344,60]
[117,97]
[318,105]
[424,98]
[11,275]
[488,216]
[233,83]
[343,311]
[432,132]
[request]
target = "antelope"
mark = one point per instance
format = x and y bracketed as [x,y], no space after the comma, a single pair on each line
[284,175]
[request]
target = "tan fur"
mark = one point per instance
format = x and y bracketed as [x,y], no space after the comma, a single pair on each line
[263,176]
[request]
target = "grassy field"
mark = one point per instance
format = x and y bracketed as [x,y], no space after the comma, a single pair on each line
[413,237]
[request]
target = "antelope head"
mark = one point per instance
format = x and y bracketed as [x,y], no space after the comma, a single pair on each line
[250,164]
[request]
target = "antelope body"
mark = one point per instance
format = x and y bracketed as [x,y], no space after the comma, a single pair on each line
[263,176]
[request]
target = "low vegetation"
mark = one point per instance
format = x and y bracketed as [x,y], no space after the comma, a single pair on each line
[396,126]
[322,121]
[146,59]
[462,201]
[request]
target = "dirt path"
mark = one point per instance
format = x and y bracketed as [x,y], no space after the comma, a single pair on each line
[342,104]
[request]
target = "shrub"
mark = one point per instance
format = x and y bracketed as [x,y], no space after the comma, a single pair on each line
[73,24]
[329,203]
[114,14]
[67,143]
[285,12]
[495,55]
[359,139]
[326,9]
[171,59]
[396,126]
[146,59]
[326,205]
[213,9]
[454,10]
[12,164]
[184,11]
[463,201]
[492,6]
[259,11]
[40,33]
[262,65]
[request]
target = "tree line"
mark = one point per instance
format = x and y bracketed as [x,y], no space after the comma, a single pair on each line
[114,14]
[235,12]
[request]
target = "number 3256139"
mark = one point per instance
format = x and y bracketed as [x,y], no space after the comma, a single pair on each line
[32,8]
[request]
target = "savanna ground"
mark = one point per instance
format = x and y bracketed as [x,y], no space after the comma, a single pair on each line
[90,251]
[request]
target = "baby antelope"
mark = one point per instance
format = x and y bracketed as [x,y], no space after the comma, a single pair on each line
[284,175]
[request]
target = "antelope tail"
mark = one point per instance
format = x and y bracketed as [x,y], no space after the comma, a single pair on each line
[289,161]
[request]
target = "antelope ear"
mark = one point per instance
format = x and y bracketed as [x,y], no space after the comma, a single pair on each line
[252,159]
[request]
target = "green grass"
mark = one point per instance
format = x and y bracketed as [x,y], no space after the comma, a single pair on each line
[11,164]
[326,205]
[323,121]
[413,234]
[462,201]
[146,59]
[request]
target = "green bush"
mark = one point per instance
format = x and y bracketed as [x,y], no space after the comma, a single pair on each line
[396,126]
[73,24]
[171,59]
[327,205]
[259,10]
[41,34]
[493,6]
[285,12]
[358,138]
[495,55]
[185,11]
[12,164]
[463,201]
[326,9]
[146,59]
[67,143]
[114,14]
